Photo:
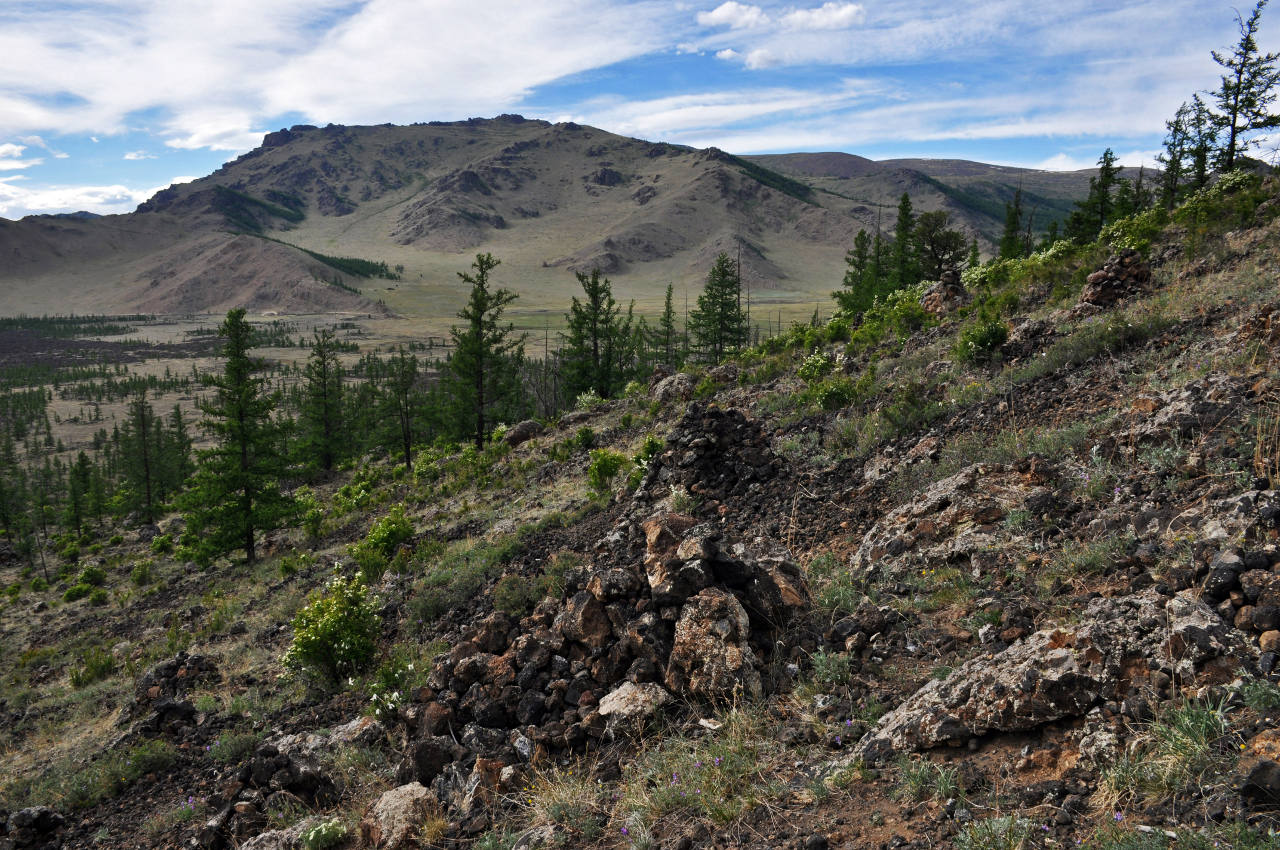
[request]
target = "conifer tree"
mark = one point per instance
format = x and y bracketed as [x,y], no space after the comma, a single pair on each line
[1098,209]
[904,270]
[402,401]
[323,437]
[597,341]
[666,340]
[236,490]
[717,326]
[138,456]
[1247,90]
[1012,243]
[858,290]
[482,374]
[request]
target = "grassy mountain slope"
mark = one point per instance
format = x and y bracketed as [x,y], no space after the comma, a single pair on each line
[1054,506]
[546,199]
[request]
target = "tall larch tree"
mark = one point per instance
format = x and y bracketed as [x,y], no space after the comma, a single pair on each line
[718,326]
[1246,91]
[482,374]
[236,490]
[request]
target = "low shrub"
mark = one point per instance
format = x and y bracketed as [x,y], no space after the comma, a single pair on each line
[76,592]
[604,467]
[979,342]
[335,634]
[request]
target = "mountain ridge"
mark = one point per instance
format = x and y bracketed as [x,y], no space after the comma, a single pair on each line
[547,198]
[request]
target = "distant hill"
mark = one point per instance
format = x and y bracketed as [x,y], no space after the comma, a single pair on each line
[269,230]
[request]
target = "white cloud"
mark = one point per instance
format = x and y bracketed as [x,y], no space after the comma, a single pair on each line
[17,200]
[1133,159]
[828,16]
[39,142]
[734,15]
[11,157]
[136,155]
[761,57]
[727,54]
[212,75]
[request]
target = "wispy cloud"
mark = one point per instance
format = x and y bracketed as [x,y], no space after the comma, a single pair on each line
[133,156]
[11,157]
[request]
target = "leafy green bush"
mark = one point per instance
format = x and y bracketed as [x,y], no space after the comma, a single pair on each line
[323,836]
[585,438]
[162,544]
[38,584]
[604,467]
[335,634]
[141,574]
[897,316]
[978,342]
[76,592]
[312,511]
[1137,231]
[816,367]
[98,597]
[838,392]
[95,576]
[386,534]
[516,595]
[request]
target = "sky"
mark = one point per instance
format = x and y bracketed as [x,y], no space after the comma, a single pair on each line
[104,102]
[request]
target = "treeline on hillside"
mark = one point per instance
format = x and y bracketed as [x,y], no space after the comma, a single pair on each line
[274,428]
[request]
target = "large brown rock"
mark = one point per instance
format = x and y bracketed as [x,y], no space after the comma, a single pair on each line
[397,815]
[710,656]
[1063,672]
[584,619]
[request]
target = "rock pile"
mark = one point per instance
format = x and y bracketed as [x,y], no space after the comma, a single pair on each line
[711,453]
[946,295]
[158,695]
[672,607]
[267,778]
[1121,275]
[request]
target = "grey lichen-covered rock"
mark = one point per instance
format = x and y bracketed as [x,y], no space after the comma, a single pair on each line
[710,657]
[630,702]
[393,820]
[678,387]
[1063,672]
[283,839]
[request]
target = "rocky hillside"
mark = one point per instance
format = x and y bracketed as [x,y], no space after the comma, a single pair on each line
[547,199]
[994,567]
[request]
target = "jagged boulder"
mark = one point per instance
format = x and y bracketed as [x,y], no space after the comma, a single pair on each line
[396,816]
[1064,672]
[673,388]
[630,703]
[711,658]
[293,774]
